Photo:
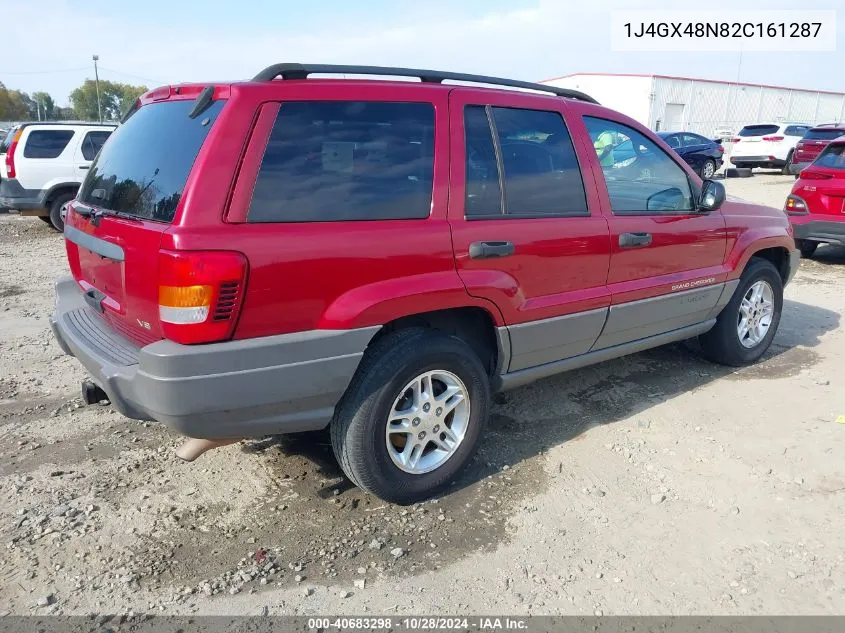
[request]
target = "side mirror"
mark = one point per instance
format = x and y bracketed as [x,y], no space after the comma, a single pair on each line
[712,196]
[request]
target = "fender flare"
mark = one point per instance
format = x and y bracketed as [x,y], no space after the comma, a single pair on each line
[384,301]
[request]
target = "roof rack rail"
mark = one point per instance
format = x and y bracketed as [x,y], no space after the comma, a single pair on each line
[301,71]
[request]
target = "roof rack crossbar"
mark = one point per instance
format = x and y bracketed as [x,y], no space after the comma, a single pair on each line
[301,71]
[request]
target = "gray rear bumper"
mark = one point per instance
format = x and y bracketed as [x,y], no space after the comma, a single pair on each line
[14,196]
[820,231]
[249,388]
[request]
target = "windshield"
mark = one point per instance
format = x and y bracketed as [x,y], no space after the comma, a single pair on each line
[142,168]
[758,130]
[833,157]
[823,134]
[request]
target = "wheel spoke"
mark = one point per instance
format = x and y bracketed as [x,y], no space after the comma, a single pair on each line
[448,441]
[412,453]
[400,424]
[743,329]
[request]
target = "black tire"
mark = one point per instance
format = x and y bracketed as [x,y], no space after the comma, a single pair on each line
[807,247]
[45,218]
[712,165]
[785,169]
[739,172]
[722,344]
[56,210]
[358,430]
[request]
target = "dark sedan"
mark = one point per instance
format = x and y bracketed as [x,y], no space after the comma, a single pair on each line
[704,155]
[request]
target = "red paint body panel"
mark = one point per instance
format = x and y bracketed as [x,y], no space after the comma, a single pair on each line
[824,195]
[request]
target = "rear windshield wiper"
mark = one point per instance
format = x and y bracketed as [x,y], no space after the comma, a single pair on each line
[203,102]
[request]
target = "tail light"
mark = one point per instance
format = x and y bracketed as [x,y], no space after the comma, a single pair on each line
[814,175]
[800,145]
[735,139]
[773,138]
[10,154]
[200,294]
[720,149]
[795,205]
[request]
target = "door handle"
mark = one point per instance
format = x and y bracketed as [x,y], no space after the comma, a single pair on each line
[634,240]
[488,250]
[85,166]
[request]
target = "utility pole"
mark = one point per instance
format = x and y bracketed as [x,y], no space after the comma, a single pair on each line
[97,83]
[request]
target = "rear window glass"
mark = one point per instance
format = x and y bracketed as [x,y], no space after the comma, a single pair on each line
[7,140]
[92,143]
[143,168]
[832,157]
[824,134]
[758,130]
[46,143]
[346,160]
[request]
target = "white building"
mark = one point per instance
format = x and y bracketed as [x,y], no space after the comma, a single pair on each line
[704,106]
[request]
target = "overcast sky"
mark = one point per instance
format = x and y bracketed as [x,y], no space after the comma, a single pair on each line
[48,43]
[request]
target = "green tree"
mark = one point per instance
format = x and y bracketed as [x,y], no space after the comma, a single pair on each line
[44,102]
[115,99]
[14,105]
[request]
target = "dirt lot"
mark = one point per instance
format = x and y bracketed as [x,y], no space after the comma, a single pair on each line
[653,484]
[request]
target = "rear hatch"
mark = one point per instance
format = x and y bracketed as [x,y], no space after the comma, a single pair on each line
[756,140]
[814,142]
[827,177]
[128,200]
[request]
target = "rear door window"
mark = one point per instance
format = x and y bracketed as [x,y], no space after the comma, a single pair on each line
[823,134]
[330,161]
[796,130]
[541,172]
[694,139]
[143,168]
[92,143]
[758,130]
[832,157]
[46,143]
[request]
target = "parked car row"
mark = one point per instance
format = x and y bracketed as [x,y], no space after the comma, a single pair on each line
[43,165]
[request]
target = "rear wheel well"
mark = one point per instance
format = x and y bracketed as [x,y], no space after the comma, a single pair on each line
[58,191]
[778,256]
[475,326]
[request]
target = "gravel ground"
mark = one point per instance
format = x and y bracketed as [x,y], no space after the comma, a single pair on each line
[654,484]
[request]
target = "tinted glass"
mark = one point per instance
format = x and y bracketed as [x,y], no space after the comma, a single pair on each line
[694,139]
[7,140]
[824,134]
[672,140]
[346,160]
[143,168]
[92,143]
[758,130]
[832,157]
[483,195]
[640,177]
[46,143]
[541,172]
[796,130]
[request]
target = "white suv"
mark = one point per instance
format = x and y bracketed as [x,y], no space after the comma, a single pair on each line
[44,165]
[767,144]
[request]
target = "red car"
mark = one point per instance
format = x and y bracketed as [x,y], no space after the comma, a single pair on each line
[378,257]
[816,206]
[811,145]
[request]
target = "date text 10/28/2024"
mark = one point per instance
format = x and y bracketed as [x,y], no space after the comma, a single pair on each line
[421,623]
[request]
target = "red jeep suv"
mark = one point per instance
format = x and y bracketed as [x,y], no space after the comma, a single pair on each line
[291,253]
